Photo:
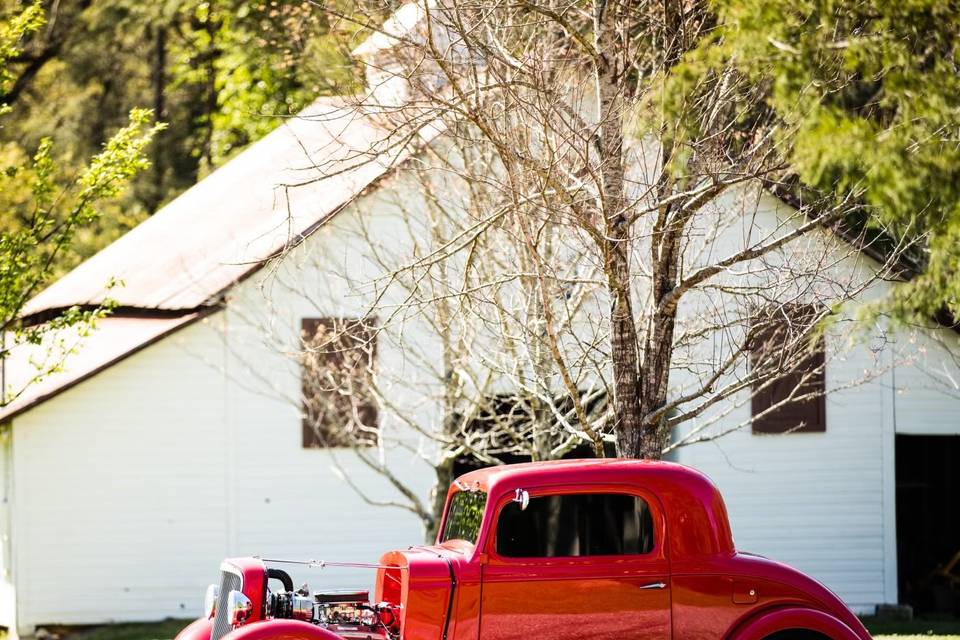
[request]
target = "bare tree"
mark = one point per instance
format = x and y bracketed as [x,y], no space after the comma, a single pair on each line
[575,256]
[483,384]
[563,104]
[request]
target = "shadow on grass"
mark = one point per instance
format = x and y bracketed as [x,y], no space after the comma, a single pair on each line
[937,627]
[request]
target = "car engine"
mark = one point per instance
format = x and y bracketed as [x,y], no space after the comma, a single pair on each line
[347,613]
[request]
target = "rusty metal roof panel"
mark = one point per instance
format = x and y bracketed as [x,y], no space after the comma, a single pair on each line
[114,339]
[265,199]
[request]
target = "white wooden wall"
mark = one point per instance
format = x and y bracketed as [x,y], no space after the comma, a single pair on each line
[119,489]
[7,593]
[927,380]
[813,500]
[825,502]
[131,487]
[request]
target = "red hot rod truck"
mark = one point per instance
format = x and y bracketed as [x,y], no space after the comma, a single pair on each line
[569,550]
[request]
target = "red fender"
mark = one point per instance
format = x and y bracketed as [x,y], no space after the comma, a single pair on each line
[795,618]
[281,630]
[196,630]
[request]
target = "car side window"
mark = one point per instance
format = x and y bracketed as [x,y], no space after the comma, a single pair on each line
[580,524]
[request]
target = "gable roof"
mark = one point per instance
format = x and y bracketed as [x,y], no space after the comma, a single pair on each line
[229,223]
[114,339]
[175,267]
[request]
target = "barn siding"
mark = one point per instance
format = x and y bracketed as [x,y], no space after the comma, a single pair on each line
[295,502]
[132,486]
[196,442]
[928,383]
[8,602]
[119,504]
[825,503]
[812,500]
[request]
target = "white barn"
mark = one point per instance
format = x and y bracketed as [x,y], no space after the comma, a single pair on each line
[157,452]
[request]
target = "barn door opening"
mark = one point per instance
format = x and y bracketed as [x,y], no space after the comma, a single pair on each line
[928,522]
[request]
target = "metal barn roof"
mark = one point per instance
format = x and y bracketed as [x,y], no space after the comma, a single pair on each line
[114,339]
[243,213]
[175,266]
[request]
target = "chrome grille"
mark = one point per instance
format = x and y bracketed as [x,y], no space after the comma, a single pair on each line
[221,625]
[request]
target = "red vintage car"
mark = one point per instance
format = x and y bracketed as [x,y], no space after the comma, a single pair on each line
[599,549]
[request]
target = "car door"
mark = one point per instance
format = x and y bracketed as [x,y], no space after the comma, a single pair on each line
[576,563]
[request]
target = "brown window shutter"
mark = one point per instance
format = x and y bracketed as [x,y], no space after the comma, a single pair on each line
[771,347]
[338,356]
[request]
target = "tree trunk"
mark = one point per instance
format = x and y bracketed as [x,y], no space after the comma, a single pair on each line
[655,376]
[610,73]
[438,498]
[640,388]
[159,77]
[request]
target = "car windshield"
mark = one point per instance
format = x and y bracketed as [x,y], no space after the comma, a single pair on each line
[464,515]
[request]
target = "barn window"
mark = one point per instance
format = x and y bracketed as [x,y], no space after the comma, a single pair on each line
[337,362]
[790,373]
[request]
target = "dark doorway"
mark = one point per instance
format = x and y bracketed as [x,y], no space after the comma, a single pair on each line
[505,418]
[928,522]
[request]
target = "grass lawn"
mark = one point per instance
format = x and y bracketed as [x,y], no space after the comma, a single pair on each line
[920,629]
[163,630]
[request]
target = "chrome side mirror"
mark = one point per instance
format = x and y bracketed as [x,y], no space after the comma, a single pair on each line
[522,498]
[239,608]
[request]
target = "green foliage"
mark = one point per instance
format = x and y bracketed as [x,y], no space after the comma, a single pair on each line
[12,32]
[935,627]
[866,98]
[43,215]
[275,58]
[222,73]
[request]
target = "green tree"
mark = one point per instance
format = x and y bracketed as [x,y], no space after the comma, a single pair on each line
[43,214]
[222,73]
[867,100]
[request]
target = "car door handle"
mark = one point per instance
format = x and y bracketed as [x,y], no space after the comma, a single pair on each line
[655,585]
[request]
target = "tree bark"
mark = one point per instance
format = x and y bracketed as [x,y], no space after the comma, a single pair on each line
[610,73]
[658,347]
[159,77]
[438,498]
[640,387]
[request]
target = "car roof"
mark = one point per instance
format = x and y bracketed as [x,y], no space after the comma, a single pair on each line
[696,516]
[555,472]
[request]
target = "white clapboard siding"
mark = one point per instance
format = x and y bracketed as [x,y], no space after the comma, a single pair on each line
[294,503]
[821,502]
[927,400]
[7,593]
[131,487]
[812,500]
[119,483]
